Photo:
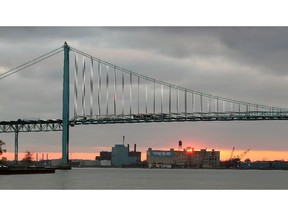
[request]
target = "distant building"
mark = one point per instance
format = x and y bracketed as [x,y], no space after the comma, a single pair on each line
[121,156]
[205,159]
[186,158]
[160,158]
[264,165]
[105,155]
[84,163]
[134,153]
[105,158]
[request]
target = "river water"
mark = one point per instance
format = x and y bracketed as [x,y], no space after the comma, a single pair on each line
[141,179]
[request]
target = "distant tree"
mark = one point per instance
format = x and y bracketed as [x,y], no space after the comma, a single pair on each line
[247,160]
[28,157]
[2,150]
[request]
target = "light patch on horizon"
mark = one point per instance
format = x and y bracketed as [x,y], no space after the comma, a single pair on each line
[258,155]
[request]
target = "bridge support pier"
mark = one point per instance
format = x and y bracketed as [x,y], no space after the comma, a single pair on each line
[65,110]
[16,147]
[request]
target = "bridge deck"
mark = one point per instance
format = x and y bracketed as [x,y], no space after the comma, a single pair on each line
[180,117]
[56,124]
[30,126]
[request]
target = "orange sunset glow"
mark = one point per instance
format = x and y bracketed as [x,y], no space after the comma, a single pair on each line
[253,155]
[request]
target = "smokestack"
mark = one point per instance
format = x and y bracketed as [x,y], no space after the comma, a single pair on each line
[123,140]
[134,147]
[36,156]
[47,156]
[180,145]
[42,156]
[128,147]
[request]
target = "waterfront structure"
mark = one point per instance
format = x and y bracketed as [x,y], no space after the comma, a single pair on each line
[264,165]
[134,153]
[121,156]
[160,158]
[105,158]
[105,155]
[205,159]
[186,158]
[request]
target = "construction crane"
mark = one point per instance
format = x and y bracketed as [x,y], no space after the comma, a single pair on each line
[236,161]
[243,154]
[230,160]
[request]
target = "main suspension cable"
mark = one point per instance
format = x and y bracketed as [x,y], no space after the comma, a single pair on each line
[194,92]
[30,63]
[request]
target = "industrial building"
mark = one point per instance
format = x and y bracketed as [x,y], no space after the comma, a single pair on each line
[264,165]
[105,158]
[160,158]
[183,158]
[122,156]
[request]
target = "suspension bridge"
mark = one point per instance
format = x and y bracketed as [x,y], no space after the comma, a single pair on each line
[104,93]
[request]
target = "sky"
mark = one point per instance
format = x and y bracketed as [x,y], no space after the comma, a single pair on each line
[242,63]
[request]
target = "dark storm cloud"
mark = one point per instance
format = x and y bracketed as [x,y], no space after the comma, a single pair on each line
[247,64]
[259,47]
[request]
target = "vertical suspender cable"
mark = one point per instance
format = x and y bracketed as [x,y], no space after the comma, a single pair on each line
[114,98]
[201,103]
[130,94]
[138,95]
[177,100]
[193,102]
[91,88]
[75,85]
[185,102]
[217,105]
[209,104]
[99,88]
[154,99]
[107,89]
[83,87]
[170,100]
[123,94]
[162,99]
[146,97]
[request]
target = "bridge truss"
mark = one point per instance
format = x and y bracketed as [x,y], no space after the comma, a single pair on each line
[30,126]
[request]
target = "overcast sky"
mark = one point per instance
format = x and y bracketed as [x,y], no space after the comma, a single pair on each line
[244,63]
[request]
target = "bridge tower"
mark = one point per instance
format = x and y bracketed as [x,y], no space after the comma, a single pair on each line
[65,107]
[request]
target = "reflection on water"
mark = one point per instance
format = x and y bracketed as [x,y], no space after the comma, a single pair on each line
[125,178]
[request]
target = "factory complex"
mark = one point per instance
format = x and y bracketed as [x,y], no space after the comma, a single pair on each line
[126,156]
[183,158]
[122,156]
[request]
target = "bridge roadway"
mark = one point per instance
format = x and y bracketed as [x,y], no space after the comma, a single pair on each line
[56,124]
[30,126]
[180,117]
